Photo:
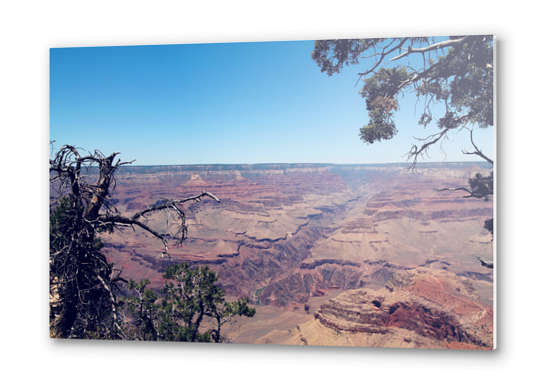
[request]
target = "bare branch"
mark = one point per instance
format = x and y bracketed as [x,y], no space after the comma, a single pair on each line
[476,152]
[382,56]
[170,203]
[159,206]
[78,268]
[416,152]
[432,47]
[480,187]
[471,194]
[118,219]
[113,302]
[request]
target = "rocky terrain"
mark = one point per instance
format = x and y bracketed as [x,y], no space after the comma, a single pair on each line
[290,236]
[420,308]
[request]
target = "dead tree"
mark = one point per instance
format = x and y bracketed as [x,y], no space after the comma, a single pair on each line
[84,287]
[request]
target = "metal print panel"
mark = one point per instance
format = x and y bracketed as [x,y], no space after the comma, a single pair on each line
[321,193]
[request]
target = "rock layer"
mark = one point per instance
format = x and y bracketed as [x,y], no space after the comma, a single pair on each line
[418,308]
[285,235]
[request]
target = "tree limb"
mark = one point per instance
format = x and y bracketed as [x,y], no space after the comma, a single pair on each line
[432,47]
[170,203]
[471,194]
[79,210]
[476,152]
[113,306]
[415,151]
[382,56]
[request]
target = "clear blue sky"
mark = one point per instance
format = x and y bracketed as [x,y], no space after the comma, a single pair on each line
[230,103]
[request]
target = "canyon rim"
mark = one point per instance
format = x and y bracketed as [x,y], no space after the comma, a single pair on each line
[335,255]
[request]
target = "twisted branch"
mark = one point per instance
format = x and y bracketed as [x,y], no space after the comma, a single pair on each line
[476,152]
[74,258]
[382,56]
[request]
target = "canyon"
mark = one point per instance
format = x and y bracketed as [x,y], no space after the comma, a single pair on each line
[349,255]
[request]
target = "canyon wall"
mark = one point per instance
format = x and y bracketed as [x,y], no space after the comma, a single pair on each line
[286,234]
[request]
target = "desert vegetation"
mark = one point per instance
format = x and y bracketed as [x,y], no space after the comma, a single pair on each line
[389,255]
[452,77]
[89,297]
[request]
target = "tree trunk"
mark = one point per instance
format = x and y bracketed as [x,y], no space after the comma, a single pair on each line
[64,322]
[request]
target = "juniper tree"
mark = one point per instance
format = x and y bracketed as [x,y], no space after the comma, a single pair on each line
[85,296]
[455,72]
[191,308]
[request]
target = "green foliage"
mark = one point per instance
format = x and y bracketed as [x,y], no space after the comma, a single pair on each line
[461,78]
[332,55]
[145,310]
[85,295]
[380,93]
[457,73]
[80,305]
[85,289]
[482,186]
[192,307]
[488,224]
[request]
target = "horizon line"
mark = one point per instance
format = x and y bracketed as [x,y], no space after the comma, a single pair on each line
[303,163]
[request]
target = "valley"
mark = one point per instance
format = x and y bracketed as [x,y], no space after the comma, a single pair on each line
[350,255]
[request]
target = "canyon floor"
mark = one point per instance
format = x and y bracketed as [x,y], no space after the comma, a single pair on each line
[345,255]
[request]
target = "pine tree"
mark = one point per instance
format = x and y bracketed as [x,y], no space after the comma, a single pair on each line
[192,307]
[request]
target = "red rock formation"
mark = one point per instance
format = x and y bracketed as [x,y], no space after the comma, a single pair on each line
[430,304]
[325,223]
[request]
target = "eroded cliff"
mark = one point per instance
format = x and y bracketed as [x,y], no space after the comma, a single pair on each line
[290,236]
[418,308]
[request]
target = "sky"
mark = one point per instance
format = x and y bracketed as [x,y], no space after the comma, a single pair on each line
[225,103]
